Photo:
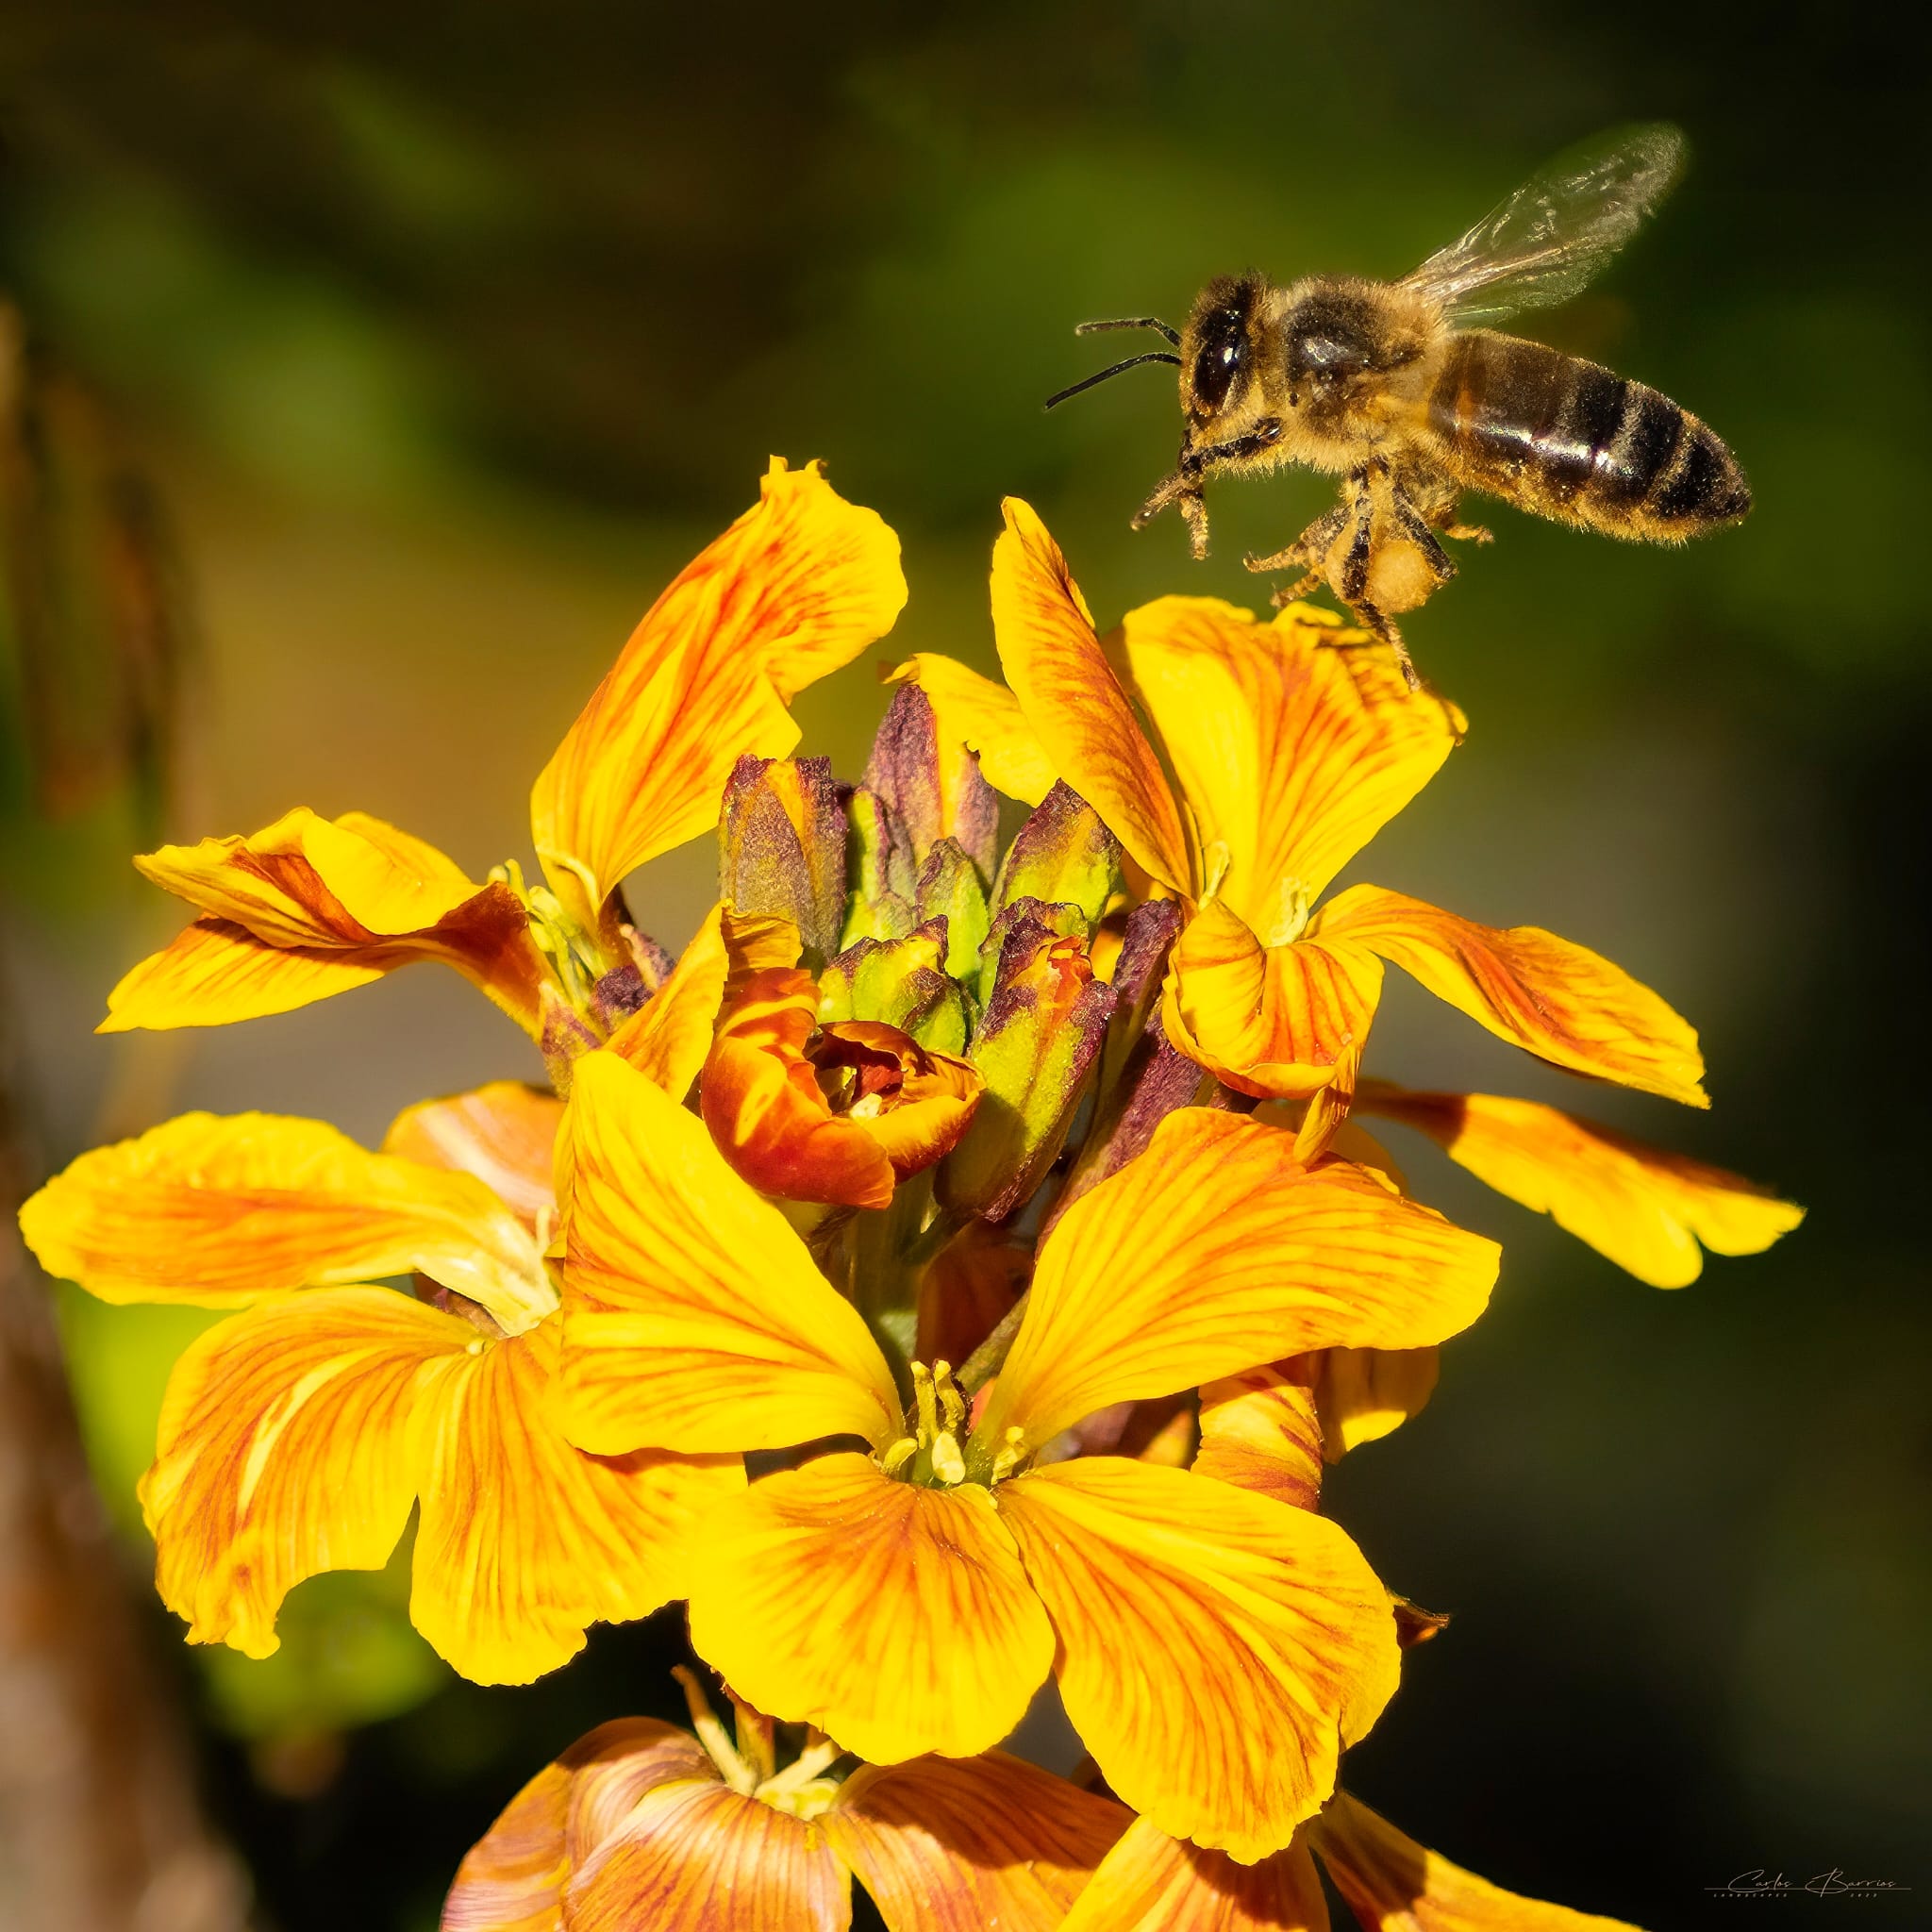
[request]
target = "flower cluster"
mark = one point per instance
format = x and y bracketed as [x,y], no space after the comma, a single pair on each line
[953,1272]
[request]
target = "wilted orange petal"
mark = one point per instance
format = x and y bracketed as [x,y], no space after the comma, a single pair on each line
[985,717]
[1075,703]
[896,1618]
[1216,1648]
[1362,1394]
[1643,1208]
[524,1540]
[1154,1883]
[1391,1884]
[695,1856]
[1559,1001]
[503,1133]
[284,1449]
[694,1317]
[219,1210]
[1292,752]
[799,585]
[948,1844]
[1276,1022]
[1259,1431]
[513,1878]
[1216,1251]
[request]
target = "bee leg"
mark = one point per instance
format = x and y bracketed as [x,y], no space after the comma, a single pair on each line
[1195,515]
[1385,631]
[1441,565]
[1306,552]
[1468,533]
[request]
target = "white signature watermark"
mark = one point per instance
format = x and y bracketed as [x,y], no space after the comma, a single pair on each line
[1836,1883]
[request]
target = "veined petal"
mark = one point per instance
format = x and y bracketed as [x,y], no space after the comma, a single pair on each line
[1217,1649]
[512,1879]
[1362,1394]
[284,1449]
[524,1540]
[1216,1251]
[1555,999]
[1646,1209]
[306,888]
[1261,1431]
[1151,1883]
[894,1617]
[947,1844]
[694,1317]
[1075,703]
[986,718]
[503,1133]
[695,1856]
[1291,751]
[1276,1022]
[222,1211]
[798,585]
[1391,1884]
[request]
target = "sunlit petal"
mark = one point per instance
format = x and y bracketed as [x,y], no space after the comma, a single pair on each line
[893,1617]
[1151,1883]
[503,1133]
[1259,1430]
[986,718]
[215,973]
[1362,1394]
[1216,1648]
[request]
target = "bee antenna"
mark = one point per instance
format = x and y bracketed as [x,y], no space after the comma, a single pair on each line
[1132,362]
[1094,328]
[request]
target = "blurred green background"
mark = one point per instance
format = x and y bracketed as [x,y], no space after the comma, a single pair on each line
[442,340]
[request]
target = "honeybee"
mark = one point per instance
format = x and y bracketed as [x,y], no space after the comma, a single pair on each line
[1399,389]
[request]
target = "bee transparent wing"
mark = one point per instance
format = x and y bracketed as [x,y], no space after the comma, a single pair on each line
[1557,231]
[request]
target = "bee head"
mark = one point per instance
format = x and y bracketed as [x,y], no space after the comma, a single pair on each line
[1218,350]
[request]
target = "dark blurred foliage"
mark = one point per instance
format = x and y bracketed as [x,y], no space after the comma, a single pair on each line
[449,334]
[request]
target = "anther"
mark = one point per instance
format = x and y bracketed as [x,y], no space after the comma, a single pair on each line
[899,1455]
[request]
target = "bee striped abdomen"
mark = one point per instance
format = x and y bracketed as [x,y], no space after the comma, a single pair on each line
[1566,438]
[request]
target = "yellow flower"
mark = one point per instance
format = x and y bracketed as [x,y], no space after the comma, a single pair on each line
[296,1435]
[641,1824]
[910,1596]
[1271,754]
[309,907]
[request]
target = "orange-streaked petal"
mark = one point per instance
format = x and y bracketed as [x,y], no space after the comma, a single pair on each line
[1391,1884]
[503,1133]
[894,1617]
[1075,703]
[947,1844]
[1216,1648]
[512,1879]
[1152,1883]
[1549,996]
[1292,752]
[220,1211]
[986,718]
[1362,1394]
[798,585]
[285,1450]
[1216,1251]
[694,1317]
[308,886]
[1276,1022]
[524,1540]
[1261,1431]
[1642,1207]
[695,1856]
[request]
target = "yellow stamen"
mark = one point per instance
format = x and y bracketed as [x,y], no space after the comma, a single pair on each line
[948,1465]
[900,1454]
[738,1774]
[1012,1453]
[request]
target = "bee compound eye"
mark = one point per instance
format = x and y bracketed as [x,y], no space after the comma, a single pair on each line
[1222,354]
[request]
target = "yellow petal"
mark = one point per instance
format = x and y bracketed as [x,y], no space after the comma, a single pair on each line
[1259,1430]
[1392,1884]
[513,1878]
[694,1317]
[1216,1251]
[1291,751]
[524,1540]
[1555,999]
[1217,1649]
[798,585]
[986,718]
[220,1211]
[1362,1394]
[893,1617]
[695,1856]
[284,1449]
[307,888]
[1152,1883]
[1276,1022]
[1075,703]
[503,1133]
[949,1844]
[1643,1208]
